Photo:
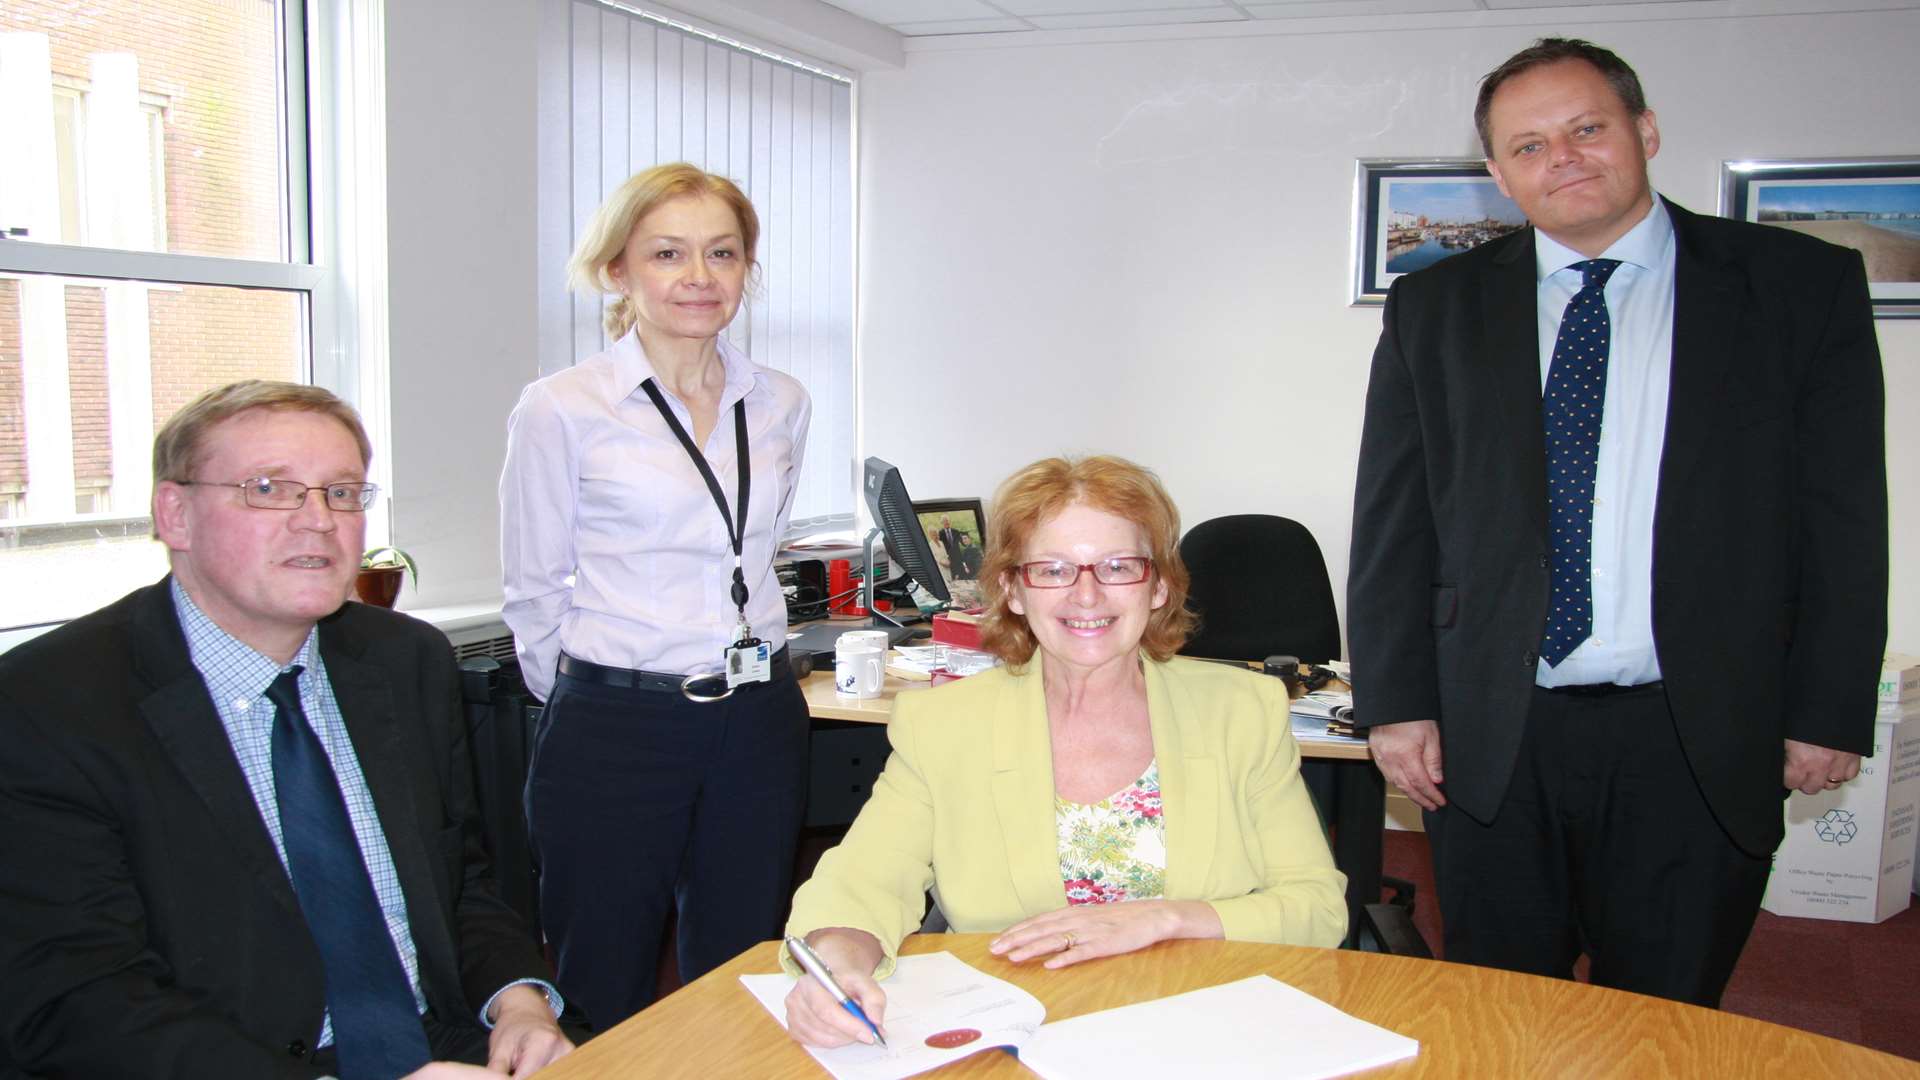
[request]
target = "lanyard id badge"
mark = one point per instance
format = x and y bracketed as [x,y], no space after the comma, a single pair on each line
[748,659]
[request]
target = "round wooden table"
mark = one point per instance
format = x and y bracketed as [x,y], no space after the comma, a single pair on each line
[1470,1022]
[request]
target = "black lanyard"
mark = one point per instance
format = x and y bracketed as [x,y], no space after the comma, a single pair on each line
[738,533]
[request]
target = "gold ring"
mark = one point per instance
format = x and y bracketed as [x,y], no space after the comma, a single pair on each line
[1066,941]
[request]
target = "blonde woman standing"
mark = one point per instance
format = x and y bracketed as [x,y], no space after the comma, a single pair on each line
[645,491]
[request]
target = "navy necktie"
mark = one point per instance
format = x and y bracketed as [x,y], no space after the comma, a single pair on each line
[1574,400]
[377,1032]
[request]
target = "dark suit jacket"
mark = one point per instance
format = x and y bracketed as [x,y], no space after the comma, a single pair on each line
[1770,530]
[147,927]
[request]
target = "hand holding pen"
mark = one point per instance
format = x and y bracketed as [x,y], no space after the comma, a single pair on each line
[804,1019]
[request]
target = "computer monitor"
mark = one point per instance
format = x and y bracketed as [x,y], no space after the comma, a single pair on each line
[893,517]
[892,510]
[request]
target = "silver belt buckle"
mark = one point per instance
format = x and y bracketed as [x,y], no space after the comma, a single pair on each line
[687,691]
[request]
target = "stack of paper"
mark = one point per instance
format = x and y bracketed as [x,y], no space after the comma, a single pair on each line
[940,1009]
[1257,1027]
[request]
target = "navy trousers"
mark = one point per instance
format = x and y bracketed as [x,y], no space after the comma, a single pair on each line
[1604,846]
[640,803]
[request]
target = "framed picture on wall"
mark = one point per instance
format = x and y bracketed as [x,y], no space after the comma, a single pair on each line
[957,532]
[1409,213]
[1871,205]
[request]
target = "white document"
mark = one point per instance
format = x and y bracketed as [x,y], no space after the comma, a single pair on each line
[939,1009]
[1257,1027]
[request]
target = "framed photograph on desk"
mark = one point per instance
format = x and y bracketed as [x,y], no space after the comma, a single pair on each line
[957,531]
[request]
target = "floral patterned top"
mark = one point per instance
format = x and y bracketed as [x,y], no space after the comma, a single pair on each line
[1115,849]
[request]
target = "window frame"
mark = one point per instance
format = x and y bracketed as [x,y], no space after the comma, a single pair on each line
[331,179]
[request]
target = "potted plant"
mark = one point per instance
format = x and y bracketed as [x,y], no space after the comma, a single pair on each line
[381,569]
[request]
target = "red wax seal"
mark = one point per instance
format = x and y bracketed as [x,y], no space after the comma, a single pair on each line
[947,1040]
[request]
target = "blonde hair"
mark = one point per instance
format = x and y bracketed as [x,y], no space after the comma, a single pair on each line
[1043,489]
[605,238]
[180,448]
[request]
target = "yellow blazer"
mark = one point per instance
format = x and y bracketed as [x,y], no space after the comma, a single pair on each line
[966,806]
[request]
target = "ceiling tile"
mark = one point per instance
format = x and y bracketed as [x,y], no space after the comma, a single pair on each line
[1137,18]
[891,12]
[1029,8]
[961,26]
[1315,9]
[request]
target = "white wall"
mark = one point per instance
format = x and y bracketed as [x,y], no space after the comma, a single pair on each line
[460,226]
[1143,247]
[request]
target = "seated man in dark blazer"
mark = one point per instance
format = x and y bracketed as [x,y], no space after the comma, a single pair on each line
[240,831]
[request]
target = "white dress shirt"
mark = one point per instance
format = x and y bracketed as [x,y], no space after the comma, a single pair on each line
[611,545]
[1633,431]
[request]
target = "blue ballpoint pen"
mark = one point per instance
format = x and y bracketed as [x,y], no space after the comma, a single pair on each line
[823,975]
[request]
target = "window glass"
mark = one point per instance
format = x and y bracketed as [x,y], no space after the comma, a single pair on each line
[77,426]
[149,125]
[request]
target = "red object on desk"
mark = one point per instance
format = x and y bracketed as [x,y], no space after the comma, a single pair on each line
[959,633]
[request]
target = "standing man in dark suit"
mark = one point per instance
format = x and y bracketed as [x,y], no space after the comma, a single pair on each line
[240,833]
[1619,565]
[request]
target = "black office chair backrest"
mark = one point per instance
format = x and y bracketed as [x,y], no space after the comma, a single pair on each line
[1260,588]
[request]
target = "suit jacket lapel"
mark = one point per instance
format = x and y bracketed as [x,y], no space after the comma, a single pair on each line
[1023,791]
[366,705]
[182,717]
[1707,324]
[1511,369]
[1189,787]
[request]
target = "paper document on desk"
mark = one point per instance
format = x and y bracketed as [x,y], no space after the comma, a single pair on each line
[1324,716]
[1257,1027]
[939,1009]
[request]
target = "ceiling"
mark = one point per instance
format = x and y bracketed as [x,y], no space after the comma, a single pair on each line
[919,18]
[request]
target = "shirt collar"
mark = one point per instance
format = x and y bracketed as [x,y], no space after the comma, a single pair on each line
[631,368]
[231,668]
[1648,245]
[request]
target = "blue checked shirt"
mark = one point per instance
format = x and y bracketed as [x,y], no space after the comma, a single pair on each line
[237,677]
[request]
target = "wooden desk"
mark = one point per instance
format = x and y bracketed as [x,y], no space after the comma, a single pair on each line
[1470,1022]
[1350,790]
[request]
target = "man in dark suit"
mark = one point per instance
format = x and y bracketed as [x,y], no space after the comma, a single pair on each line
[240,834]
[1619,564]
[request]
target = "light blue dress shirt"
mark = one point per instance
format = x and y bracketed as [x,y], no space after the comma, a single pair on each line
[1633,432]
[237,677]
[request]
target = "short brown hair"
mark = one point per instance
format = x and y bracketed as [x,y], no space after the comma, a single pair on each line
[605,238]
[180,447]
[1549,50]
[1036,493]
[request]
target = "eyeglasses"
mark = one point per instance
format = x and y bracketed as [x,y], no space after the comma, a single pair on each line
[1053,574]
[266,493]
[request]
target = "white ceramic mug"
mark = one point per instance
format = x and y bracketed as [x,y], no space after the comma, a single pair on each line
[859,670]
[865,639]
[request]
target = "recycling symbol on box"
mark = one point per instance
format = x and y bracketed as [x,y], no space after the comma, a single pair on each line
[1836,826]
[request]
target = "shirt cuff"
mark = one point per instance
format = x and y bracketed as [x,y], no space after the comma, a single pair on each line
[554,1000]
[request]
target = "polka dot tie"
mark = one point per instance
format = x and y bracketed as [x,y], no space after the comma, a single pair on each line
[1575,397]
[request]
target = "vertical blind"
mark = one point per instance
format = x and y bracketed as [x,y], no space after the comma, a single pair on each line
[642,92]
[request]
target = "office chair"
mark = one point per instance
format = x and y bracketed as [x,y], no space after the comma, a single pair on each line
[1261,589]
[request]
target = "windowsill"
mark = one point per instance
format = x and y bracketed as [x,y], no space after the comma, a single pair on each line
[460,622]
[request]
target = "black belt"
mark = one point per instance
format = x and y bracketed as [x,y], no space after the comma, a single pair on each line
[658,682]
[1603,689]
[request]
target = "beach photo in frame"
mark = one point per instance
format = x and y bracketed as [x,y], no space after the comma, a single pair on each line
[957,532]
[1409,213]
[1869,204]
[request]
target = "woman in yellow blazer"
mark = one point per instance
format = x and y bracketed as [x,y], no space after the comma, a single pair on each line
[1094,768]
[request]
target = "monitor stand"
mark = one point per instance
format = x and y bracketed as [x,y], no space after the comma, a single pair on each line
[820,638]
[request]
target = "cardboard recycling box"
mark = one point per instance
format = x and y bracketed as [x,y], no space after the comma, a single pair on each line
[1849,852]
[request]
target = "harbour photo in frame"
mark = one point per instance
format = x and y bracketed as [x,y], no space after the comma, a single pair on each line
[957,532]
[1410,213]
[1871,205]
